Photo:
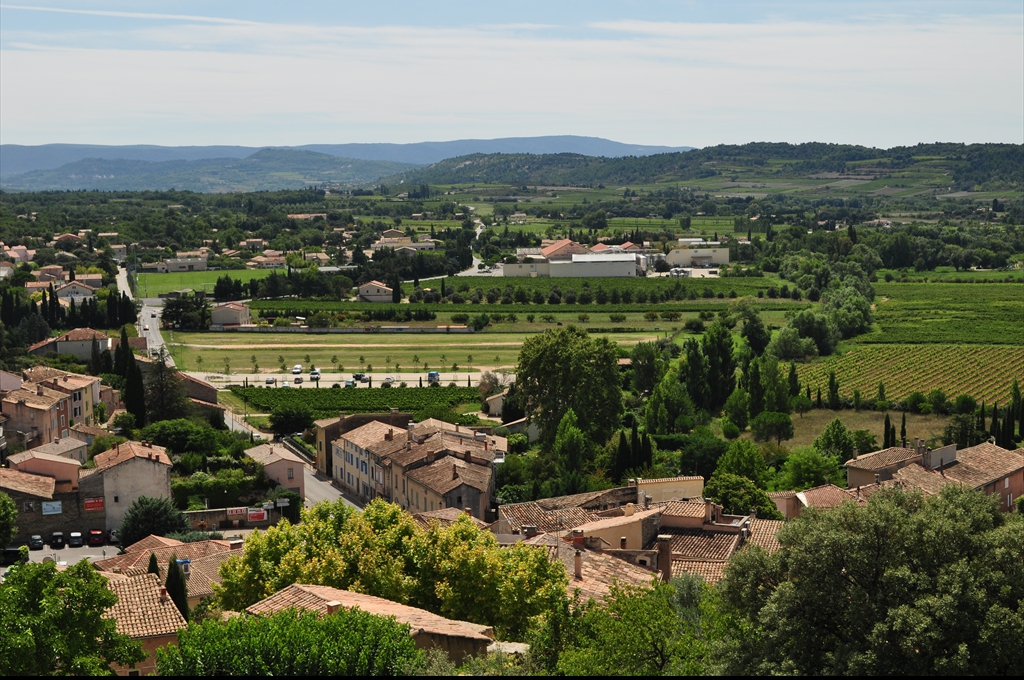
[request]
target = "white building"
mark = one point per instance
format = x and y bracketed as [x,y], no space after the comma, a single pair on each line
[375,291]
[230,314]
[697,257]
[131,470]
[581,265]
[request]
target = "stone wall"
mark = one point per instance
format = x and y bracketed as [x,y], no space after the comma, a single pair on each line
[216,519]
[73,516]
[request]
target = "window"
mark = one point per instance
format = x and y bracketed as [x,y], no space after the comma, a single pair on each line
[1006,483]
[116,499]
[62,423]
[291,473]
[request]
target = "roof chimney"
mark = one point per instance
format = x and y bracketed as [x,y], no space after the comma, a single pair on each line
[578,565]
[163,594]
[665,557]
[622,543]
[408,444]
[577,538]
[39,390]
[530,530]
[333,606]
[629,509]
[389,435]
[455,472]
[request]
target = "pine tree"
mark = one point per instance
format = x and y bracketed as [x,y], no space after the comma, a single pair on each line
[154,568]
[903,429]
[176,586]
[886,442]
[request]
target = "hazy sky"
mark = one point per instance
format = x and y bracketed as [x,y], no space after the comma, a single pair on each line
[676,73]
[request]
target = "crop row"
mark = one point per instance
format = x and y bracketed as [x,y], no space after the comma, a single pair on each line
[982,372]
[310,307]
[379,400]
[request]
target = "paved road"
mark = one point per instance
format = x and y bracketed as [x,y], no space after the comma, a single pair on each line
[319,489]
[328,379]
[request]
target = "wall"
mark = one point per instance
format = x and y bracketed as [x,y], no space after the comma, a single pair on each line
[672,488]
[527,269]
[456,648]
[686,257]
[65,470]
[131,479]
[73,516]
[278,471]
[149,645]
[217,518]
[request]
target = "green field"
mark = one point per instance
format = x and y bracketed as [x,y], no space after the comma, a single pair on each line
[152,285]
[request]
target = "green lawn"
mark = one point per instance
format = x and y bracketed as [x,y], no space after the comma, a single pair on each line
[151,285]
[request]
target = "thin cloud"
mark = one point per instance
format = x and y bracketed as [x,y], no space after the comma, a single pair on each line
[132,15]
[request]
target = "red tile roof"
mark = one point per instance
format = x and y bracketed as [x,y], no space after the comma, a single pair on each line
[33,485]
[599,570]
[141,611]
[445,517]
[712,571]
[701,544]
[983,464]
[763,533]
[684,509]
[183,551]
[881,459]
[129,450]
[532,513]
[824,496]
[916,476]
[449,473]
[316,598]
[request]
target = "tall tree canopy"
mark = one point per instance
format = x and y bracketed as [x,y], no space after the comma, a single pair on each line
[568,369]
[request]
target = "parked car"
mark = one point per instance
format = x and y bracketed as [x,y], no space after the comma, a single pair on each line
[314,375]
[57,540]
[365,379]
[389,380]
[11,556]
[298,380]
[297,368]
[145,329]
[112,537]
[285,383]
[358,376]
[35,542]
[96,537]
[75,539]
[152,315]
[271,381]
[433,377]
[350,383]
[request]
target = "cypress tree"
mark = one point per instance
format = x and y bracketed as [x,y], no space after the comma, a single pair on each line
[903,429]
[886,442]
[176,586]
[817,402]
[634,447]
[808,393]
[154,568]
[135,394]
[755,390]
[794,381]
[621,457]
[646,449]
[892,436]
[994,429]
[981,418]
[833,391]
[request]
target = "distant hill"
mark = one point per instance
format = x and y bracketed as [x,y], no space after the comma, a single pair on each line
[17,159]
[969,167]
[269,169]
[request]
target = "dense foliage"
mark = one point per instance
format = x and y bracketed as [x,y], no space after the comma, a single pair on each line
[147,516]
[327,402]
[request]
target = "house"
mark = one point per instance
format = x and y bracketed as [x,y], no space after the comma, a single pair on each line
[75,291]
[631,531]
[375,291]
[495,402]
[63,471]
[352,460]
[697,257]
[84,391]
[393,233]
[327,430]
[69,448]
[145,613]
[561,513]
[986,467]
[230,314]
[91,280]
[77,342]
[182,264]
[264,262]
[46,504]
[457,639]
[19,253]
[6,269]
[68,239]
[562,250]
[199,390]
[318,258]
[446,517]
[879,466]
[119,252]
[307,216]
[130,470]
[37,414]
[668,488]
[281,466]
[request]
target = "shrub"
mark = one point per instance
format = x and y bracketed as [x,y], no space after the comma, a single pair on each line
[729,430]
[651,316]
[616,318]
[694,325]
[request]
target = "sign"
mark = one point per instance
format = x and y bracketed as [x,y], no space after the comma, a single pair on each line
[257,514]
[236,512]
[268,506]
[282,502]
[93,504]
[52,507]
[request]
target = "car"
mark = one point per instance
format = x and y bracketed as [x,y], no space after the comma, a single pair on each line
[358,376]
[350,383]
[112,536]
[365,379]
[285,383]
[12,556]
[75,539]
[271,381]
[298,380]
[389,380]
[297,368]
[314,374]
[57,540]
[96,537]
[35,542]
[145,329]
[152,315]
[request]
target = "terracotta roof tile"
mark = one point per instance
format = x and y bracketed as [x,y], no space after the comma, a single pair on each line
[445,517]
[152,542]
[712,571]
[621,520]
[532,513]
[449,473]
[140,611]
[33,485]
[575,500]
[266,454]
[916,476]
[368,434]
[127,451]
[599,570]
[701,544]
[883,458]
[684,509]
[316,598]
[763,533]
[824,496]
[983,464]
[31,454]
[203,573]
[691,478]
[140,558]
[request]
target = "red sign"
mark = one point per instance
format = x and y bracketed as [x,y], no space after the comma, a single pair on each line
[257,515]
[93,504]
[236,512]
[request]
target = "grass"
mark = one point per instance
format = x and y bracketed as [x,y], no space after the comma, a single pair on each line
[151,285]
[812,424]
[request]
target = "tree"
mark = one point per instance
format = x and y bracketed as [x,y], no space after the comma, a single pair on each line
[755,389]
[54,623]
[8,519]
[289,418]
[154,567]
[566,369]
[717,348]
[569,453]
[772,425]
[696,376]
[806,466]
[736,407]
[646,365]
[961,430]
[794,381]
[833,391]
[835,440]
[744,459]
[739,495]
[176,586]
[903,429]
[165,394]
[887,440]
[906,585]
[293,643]
[134,395]
[147,516]
[756,334]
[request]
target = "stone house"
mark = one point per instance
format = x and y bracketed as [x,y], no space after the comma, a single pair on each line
[128,471]
[457,639]
[327,430]
[70,448]
[986,467]
[668,488]
[375,291]
[145,613]
[230,314]
[42,509]
[63,471]
[75,291]
[36,414]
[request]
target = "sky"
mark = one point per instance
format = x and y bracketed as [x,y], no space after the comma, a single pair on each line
[654,72]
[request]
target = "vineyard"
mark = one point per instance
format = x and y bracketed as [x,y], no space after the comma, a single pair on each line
[982,372]
[329,402]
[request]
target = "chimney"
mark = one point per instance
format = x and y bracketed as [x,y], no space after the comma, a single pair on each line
[39,390]
[707,510]
[469,456]
[237,544]
[455,473]
[394,411]
[389,435]
[876,478]
[855,452]
[468,511]
[408,444]
[485,443]
[753,513]
[665,557]
[333,606]
[622,543]
[530,530]
[456,427]
[629,509]
[578,565]
[577,538]
[163,594]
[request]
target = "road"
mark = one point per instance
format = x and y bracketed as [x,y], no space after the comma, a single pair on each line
[319,489]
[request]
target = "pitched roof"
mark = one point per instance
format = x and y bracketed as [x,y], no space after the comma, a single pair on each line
[824,496]
[599,570]
[763,533]
[684,509]
[202,574]
[129,450]
[921,478]
[621,520]
[267,454]
[445,517]
[712,571]
[152,542]
[80,334]
[370,433]
[883,458]
[575,500]
[983,464]
[532,513]
[555,247]
[33,485]
[448,473]
[316,598]
[659,480]
[183,551]
[700,544]
[36,454]
[140,611]
[35,395]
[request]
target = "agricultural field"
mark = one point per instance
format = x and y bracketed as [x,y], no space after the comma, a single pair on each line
[918,313]
[807,427]
[985,373]
[151,285]
[328,402]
